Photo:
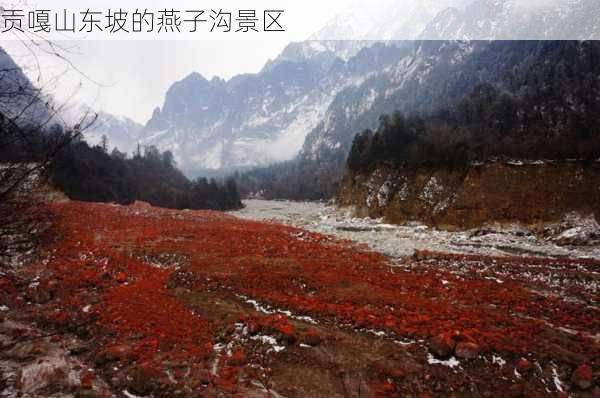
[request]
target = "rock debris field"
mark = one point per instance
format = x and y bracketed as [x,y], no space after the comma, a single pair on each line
[575,237]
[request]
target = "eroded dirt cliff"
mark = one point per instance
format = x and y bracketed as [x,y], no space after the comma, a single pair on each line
[530,192]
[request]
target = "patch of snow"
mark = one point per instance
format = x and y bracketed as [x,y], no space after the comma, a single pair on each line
[384,193]
[258,307]
[494,279]
[431,190]
[452,362]
[377,333]
[268,310]
[498,360]
[403,191]
[405,342]
[268,340]
[556,379]
[130,395]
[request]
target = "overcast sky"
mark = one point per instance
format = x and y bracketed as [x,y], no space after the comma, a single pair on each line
[130,78]
[133,76]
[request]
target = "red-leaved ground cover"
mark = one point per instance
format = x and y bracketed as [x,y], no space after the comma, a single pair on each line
[112,266]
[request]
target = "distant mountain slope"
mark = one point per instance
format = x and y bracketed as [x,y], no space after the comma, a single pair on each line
[27,104]
[253,119]
[383,20]
[419,78]
[121,132]
[431,75]
[263,118]
[20,100]
[423,78]
[515,19]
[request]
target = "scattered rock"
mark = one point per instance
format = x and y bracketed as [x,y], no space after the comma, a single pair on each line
[583,377]
[118,380]
[466,350]
[311,338]
[114,353]
[388,369]
[145,378]
[442,345]
[523,366]
[42,373]
[253,328]
[574,230]
[87,380]
[287,334]
[421,255]
[121,277]
[78,349]
[205,377]
[238,358]
[120,351]
[288,338]
[181,278]
[38,294]
[82,331]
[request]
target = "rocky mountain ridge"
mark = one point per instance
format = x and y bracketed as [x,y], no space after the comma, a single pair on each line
[291,106]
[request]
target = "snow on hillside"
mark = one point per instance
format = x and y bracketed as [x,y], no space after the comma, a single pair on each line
[257,119]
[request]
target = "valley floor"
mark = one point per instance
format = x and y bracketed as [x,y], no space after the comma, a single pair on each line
[142,301]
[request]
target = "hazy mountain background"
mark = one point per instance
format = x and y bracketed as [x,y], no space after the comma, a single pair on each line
[307,103]
[289,106]
[20,99]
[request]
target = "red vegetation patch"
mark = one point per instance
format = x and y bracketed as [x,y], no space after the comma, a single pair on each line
[144,308]
[133,303]
[7,287]
[502,305]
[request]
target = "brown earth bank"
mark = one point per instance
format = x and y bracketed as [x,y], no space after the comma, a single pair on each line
[529,192]
[137,300]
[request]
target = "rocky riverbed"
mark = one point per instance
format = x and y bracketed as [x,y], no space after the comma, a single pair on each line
[575,236]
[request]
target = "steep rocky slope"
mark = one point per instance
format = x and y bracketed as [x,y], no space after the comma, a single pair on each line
[317,94]
[252,119]
[20,100]
[513,19]
[555,79]
[121,132]
[425,77]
